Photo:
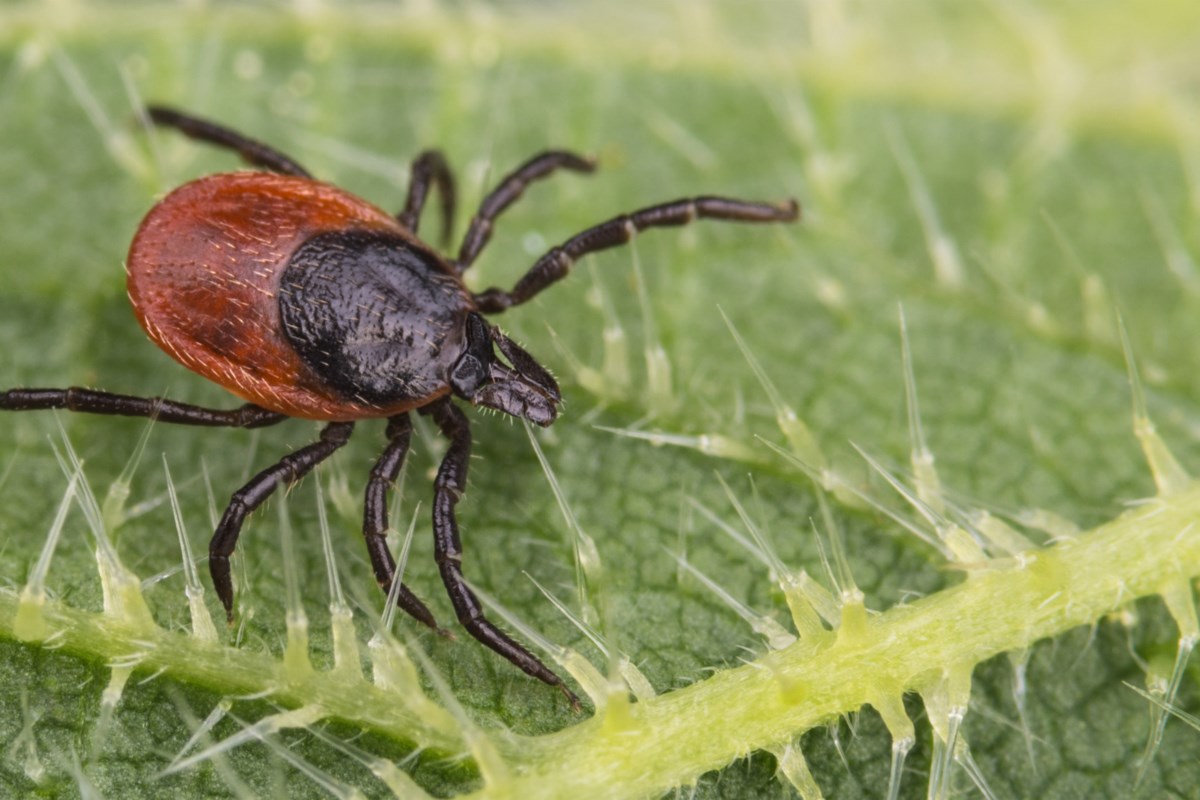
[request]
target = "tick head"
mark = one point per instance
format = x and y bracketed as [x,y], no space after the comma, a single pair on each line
[522,387]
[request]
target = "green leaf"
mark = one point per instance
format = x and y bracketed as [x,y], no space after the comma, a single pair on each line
[789,566]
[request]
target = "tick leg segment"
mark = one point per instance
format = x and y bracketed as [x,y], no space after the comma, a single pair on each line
[161,409]
[375,517]
[428,168]
[507,193]
[290,469]
[555,264]
[449,486]
[253,152]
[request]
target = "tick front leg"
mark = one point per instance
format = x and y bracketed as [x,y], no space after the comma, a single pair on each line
[449,486]
[508,192]
[375,518]
[620,230]
[429,168]
[290,469]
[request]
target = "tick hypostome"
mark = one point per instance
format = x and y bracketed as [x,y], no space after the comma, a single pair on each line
[306,301]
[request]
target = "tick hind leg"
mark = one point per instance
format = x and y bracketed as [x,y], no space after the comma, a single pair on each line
[449,486]
[510,189]
[94,402]
[375,518]
[555,264]
[252,151]
[290,469]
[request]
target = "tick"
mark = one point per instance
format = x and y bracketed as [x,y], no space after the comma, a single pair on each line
[306,301]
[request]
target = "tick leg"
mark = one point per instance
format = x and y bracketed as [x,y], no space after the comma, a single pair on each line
[449,486]
[253,152]
[161,409]
[507,193]
[290,469]
[555,264]
[375,517]
[429,168]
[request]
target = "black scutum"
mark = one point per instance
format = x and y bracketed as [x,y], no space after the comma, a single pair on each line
[375,317]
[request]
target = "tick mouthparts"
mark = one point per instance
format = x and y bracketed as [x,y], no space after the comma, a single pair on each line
[515,393]
[526,366]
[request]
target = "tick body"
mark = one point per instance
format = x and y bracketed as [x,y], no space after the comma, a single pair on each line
[297,297]
[306,301]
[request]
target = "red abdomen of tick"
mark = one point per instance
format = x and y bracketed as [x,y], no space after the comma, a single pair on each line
[204,276]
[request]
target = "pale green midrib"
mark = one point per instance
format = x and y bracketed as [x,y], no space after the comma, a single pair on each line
[679,736]
[232,672]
